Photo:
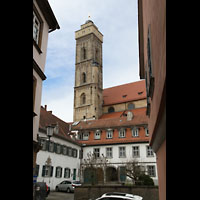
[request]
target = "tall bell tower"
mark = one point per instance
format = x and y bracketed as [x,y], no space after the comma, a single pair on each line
[88,87]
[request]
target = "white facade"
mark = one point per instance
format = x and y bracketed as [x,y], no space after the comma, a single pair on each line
[116,160]
[58,160]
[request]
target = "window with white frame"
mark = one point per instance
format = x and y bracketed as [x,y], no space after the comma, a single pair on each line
[47,171]
[36,28]
[122,152]
[67,173]
[135,132]
[109,152]
[97,135]
[109,133]
[136,151]
[146,132]
[96,152]
[58,172]
[149,151]
[151,170]
[122,133]
[86,136]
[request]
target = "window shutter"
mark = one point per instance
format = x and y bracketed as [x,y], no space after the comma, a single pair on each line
[51,171]
[43,170]
[55,147]
[56,171]
[60,172]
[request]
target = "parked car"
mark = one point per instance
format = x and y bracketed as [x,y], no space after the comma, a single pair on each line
[48,190]
[76,183]
[119,196]
[66,186]
[42,190]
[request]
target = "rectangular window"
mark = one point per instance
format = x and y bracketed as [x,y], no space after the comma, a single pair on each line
[58,172]
[149,151]
[74,153]
[151,170]
[47,171]
[122,152]
[122,133]
[67,173]
[36,28]
[64,150]
[69,151]
[97,135]
[58,148]
[109,152]
[85,136]
[136,152]
[51,146]
[96,152]
[44,144]
[109,133]
[135,132]
[146,132]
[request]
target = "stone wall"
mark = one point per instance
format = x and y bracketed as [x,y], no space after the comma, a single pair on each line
[93,192]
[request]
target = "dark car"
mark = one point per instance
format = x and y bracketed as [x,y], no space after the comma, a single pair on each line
[41,190]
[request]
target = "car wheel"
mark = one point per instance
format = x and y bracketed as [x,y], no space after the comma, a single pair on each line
[57,190]
[68,190]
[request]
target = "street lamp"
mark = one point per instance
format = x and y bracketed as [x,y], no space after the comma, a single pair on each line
[50,130]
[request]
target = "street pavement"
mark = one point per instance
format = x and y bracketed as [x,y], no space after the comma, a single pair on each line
[60,196]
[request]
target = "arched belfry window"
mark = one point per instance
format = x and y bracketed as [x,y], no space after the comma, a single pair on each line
[97,55]
[111,109]
[83,77]
[83,53]
[83,98]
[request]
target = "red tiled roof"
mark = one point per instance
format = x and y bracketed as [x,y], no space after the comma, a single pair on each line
[124,93]
[109,121]
[118,114]
[47,118]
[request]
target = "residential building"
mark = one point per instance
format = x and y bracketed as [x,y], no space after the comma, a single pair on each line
[59,158]
[152,57]
[44,22]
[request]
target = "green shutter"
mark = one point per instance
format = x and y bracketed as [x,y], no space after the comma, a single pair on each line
[51,171]
[43,170]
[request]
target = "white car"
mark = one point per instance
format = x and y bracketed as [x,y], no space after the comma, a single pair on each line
[119,196]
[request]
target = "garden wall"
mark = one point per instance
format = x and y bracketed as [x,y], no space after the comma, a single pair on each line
[93,192]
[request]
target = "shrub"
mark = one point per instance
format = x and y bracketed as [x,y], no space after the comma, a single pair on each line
[144,180]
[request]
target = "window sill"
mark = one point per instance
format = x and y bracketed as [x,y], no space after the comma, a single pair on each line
[37,47]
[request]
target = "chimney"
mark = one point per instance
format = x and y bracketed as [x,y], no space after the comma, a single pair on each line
[45,107]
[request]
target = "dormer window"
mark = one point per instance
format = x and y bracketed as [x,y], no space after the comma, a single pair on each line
[86,136]
[97,135]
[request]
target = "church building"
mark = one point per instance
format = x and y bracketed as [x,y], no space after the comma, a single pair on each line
[110,123]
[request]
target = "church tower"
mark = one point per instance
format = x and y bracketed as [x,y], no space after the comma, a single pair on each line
[88,98]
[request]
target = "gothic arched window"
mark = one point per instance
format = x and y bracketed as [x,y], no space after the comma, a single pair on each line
[83,98]
[83,77]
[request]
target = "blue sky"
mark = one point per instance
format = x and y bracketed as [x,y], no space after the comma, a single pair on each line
[117,20]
